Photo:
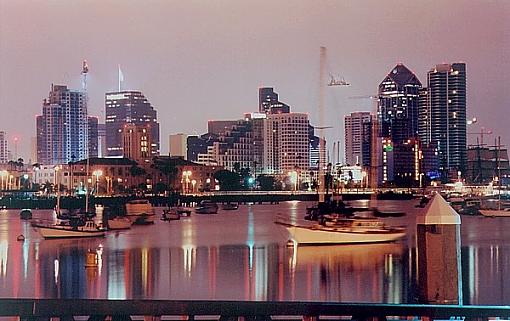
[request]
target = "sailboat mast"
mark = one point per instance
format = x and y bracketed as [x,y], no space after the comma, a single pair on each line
[322,146]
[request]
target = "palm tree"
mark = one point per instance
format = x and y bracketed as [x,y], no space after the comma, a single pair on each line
[167,167]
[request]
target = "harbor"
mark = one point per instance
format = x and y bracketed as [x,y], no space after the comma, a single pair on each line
[241,255]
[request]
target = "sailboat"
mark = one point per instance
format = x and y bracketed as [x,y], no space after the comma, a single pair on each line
[499,212]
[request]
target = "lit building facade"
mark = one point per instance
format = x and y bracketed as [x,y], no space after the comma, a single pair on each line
[286,144]
[62,129]
[398,105]
[354,134]
[136,142]
[125,107]
[443,117]
[269,103]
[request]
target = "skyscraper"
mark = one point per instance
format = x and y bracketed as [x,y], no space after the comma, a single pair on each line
[269,103]
[398,104]
[4,152]
[62,129]
[93,144]
[354,133]
[126,107]
[443,117]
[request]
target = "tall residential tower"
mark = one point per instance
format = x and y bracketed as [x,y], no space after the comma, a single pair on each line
[62,129]
[443,117]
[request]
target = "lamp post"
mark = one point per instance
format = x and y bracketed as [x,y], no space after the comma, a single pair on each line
[97,174]
[193,183]
[186,180]
[4,174]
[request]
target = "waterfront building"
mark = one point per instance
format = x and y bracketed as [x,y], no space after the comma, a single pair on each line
[136,142]
[398,105]
[178,145]
[286,144]
[354,134]
[386,165]
[125,107]
[62,129]
[407,163]
[269,103]
[443,117]
[93,144]
[234,148]
[4,151]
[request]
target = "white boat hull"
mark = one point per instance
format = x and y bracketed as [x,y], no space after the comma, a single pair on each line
[306,235]
[60,232]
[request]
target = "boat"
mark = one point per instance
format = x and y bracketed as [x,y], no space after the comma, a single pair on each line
[500,212]
[119,223]
[230,206]
[71,230]
[170,214]
[140,211]
[207,207]
[25,214]
[345,231]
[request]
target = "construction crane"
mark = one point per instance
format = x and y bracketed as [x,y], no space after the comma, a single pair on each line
[337,81]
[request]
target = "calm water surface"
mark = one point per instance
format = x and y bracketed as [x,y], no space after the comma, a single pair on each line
[241,255]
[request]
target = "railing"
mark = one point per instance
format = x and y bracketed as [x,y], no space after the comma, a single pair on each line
[116,310]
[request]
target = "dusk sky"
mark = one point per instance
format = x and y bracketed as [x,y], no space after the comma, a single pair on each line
[201,60]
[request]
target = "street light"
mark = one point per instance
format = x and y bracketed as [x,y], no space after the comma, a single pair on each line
[97,174]
[185,179]
[4,174]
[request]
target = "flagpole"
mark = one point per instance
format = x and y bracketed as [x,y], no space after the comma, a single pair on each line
[119,78]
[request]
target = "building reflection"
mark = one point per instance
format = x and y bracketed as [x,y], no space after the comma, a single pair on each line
[250,271]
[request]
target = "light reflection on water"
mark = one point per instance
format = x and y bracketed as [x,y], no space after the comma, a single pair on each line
[239,255]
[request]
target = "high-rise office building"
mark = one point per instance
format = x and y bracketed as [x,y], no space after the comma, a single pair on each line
[178,145]
[62,129]
[443,117]
[354,134]
[269,103]
[93,137]
[4,151]
[125,107]
[398,105]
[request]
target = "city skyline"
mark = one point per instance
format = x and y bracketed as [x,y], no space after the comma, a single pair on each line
[174,59]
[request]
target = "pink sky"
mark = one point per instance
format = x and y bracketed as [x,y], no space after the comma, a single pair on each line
[200,60]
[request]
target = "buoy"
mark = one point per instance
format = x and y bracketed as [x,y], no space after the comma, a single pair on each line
[91,259]
[20,237]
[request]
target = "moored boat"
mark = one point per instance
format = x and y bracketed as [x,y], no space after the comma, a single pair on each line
[207,207]
[346,231]
[496,212]
[230,206]
[25,214]
[119,223]
[90,229]
[140,211]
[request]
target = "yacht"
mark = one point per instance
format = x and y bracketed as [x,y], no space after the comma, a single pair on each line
[345,231]
[71,230]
